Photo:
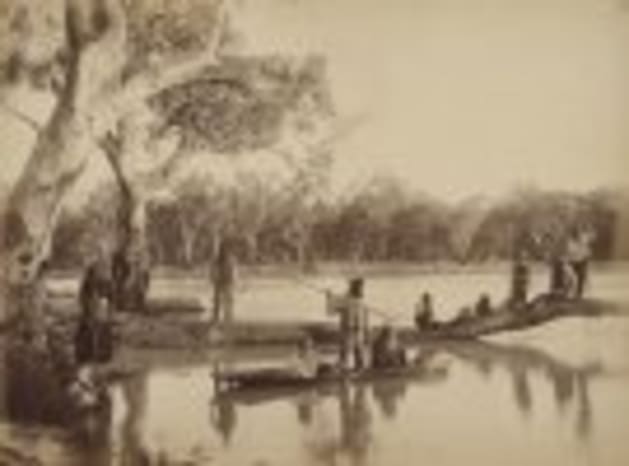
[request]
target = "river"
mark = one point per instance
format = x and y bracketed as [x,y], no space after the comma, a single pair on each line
[555,395]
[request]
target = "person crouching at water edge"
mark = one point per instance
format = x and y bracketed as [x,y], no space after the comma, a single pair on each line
[354,325]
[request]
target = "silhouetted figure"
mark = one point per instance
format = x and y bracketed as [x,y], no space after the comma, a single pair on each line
[386,350]
[130,280]
[424,313]
[578,254]
[354,325]
[563,280]
[483,306]
[520,281]
[224,278]
[93,340]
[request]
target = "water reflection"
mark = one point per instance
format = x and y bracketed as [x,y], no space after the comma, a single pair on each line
[570,383]
[337,421]
[388,394]
[132,450]
[352,404]
[223,417]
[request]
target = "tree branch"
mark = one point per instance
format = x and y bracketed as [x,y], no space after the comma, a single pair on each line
[149,83]
[96,33]
[111,147]
[27,120]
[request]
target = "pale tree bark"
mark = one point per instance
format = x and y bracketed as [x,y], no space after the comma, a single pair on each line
[131,141]
[59,155]
[35,367]
[92,99]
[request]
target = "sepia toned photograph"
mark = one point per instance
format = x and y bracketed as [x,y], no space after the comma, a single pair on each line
[314,232]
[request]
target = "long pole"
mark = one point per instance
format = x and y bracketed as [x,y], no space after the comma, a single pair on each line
[325,291]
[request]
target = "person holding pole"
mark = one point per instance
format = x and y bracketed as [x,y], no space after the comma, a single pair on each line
[353,325]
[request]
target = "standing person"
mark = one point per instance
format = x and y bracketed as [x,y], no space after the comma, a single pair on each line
[424,312]
[93,340]
[578,254]
[520,280]
[224,277]
[354,325]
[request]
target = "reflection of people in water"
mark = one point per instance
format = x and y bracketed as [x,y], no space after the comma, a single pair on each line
[387,393]
[584,416]
[91,431]
[223,415]
[568,382]
[522,391]
[563,386]
[133,449]
[355,422]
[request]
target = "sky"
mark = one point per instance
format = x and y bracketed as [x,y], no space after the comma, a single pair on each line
[459,97]
[470,96]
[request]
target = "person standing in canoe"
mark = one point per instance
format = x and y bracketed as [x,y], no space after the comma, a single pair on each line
[224,275]
[354,324]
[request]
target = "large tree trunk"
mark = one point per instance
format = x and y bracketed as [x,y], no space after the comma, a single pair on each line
[36,366]
[130,257]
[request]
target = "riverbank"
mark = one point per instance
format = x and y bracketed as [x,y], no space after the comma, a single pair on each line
[344,269]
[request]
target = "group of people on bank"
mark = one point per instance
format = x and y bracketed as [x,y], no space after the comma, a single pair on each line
[569,265]
[359,348]
[568,277]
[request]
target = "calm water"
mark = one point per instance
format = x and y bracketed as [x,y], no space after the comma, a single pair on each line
[557,395]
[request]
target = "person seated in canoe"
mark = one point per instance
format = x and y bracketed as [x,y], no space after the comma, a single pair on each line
[387,350]
[424,313]
[464,315]
[483,306]
[306,363]
[353,325]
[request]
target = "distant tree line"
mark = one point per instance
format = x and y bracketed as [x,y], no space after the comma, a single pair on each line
[381,221]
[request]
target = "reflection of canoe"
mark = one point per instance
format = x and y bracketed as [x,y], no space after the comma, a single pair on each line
[537,312]
[281,380]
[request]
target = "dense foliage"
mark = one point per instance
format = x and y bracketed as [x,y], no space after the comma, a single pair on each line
[380,222]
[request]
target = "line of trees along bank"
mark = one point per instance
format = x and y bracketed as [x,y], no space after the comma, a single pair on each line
[382,222]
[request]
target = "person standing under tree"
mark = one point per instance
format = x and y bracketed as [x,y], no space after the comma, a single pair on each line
[223,275]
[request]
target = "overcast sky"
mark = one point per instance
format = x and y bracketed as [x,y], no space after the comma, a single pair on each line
[462,96]
[468,96]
